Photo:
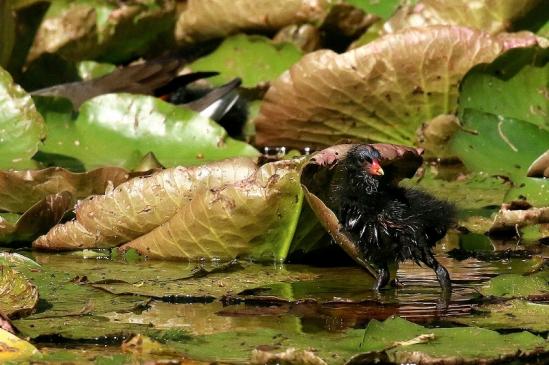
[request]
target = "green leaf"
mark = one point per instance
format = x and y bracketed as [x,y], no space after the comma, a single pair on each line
[135,125]
[513,285]
[21,127]
[499,145]
[381,8]
[503,108]
[254,59]
[89,70]
[18,296]
[514,314]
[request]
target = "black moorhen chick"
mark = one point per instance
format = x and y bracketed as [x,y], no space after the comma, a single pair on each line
[389,223]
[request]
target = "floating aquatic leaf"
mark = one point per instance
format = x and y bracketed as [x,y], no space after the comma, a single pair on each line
[513,285]
[254,59]
[503,107]
[18,296]
[514,314]
[379,92]
[135,125]
[207,19]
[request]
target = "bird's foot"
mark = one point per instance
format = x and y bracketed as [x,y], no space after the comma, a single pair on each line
[383,278]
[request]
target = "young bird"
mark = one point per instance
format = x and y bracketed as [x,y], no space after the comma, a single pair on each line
[389,223]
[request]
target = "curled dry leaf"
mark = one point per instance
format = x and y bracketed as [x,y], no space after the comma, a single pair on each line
[253,217]
[207,19]
[317,174]
[140,205]
[18,296]
[379,92]
[492,16]
[38,220]
[20,190]
[221,210]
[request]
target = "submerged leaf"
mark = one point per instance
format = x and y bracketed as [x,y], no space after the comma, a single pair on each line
[21,127]
[379,92]
[18,296]
[206,19]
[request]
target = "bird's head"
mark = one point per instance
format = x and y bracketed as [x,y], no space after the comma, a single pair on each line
[366,160]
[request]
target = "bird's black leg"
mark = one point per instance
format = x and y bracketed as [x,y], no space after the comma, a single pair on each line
[383,277]
[442,274]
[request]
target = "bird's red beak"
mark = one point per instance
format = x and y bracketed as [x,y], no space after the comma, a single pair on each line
[375,168]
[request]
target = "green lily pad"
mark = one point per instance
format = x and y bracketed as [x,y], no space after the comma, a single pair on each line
[535,191]
[500,145]
[231,279]
[83,327]
[386,341]
[513,285]
[503,107]
[96,29]
[135,125]
[21,126]
[383,9]
[18,296]
[510,315]
[254,59]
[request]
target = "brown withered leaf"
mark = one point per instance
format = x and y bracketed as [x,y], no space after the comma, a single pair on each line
[208,19]
[38,220]
[254,217]
[492,16]
[380,92]
[140,205]
[20,190]
[317,174]
[18,296]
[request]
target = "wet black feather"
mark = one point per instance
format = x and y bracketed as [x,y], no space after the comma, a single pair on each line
[389,223]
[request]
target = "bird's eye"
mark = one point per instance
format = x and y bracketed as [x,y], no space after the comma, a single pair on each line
[368,159]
